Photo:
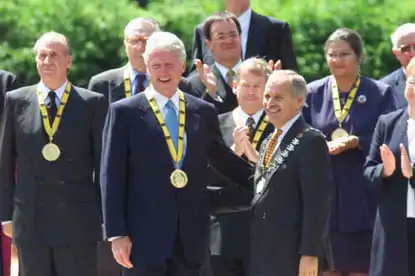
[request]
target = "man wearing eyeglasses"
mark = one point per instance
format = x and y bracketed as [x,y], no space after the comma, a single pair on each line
[403,43]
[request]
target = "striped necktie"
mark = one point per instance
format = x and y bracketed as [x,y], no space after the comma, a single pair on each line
[271,146]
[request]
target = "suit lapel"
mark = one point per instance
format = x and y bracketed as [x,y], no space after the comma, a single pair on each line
[192,126]
[400,86]
[222,86]
[34,123]
[118,91]
[255,36]
[402,127]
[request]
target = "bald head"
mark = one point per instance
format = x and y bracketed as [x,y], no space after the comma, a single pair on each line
[141,25]
[52,38]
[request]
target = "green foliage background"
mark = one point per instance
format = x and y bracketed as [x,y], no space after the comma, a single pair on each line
[95,29]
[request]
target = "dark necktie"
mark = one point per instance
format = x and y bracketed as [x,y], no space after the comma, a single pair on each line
[139,83]
[52,107]
[250,122]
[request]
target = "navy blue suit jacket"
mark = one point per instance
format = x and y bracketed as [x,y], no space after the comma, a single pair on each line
[396,80]
[389,246]
[138,198]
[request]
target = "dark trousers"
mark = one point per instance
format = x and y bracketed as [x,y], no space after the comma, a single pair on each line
[411,246]
[107,265]
[176,265]
[65,260]
[222,266]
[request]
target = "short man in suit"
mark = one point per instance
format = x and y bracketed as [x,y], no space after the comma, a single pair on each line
[223,37]
[261,36]
[403,47]
[7,83]
[230,231]
[131,78]
[291,206]
[154,171]
[53,131]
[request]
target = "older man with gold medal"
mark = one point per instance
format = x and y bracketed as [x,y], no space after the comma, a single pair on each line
[157,149]
[53,132]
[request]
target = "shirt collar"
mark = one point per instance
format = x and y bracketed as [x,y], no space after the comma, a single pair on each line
[134,73]
[242,116]
[45,90]
[245,19]
[160,99]
[224,70]
[286,127]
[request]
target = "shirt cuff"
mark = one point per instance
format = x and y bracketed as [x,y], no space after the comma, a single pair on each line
[6,222]
[114,238]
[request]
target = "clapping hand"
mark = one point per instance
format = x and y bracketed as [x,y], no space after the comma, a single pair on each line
[207,77]
[405,163]
[274,66]
[388,160]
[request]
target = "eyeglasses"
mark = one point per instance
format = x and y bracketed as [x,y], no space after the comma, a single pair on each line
[407,49]
[345,55]
[135,41]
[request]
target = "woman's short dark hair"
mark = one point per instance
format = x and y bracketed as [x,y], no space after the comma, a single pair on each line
[349,36]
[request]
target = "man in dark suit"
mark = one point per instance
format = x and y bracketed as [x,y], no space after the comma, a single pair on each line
[7,83]
[131,78]
[229,245]
[261,36]
[156,151]
[291,206]
[53,131]
[403,47]
[214,83]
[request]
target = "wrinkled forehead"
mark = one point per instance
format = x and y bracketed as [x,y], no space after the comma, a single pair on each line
[278,83]
[51,47]
[406,38]
[139,29]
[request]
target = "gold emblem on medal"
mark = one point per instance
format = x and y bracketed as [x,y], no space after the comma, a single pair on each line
[51,152]
[339,133]
[178,178]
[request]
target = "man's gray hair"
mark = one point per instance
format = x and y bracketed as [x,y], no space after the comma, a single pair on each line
[141,20]
[298,83]
[165,41]
[401,31]
[53,37]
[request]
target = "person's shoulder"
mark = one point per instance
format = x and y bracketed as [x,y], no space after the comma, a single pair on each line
[268,19]
[107,75]
[392,117]
[21,93]
[87,94]
[317,85]
[391,78]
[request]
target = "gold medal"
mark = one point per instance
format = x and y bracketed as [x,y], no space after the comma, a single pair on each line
[51,152]
[178,178]
[339,133]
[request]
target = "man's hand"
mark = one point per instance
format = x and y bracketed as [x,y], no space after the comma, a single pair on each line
[405,163]
[121,249]
[8,229]
[308,266]
[274,66]
[207,77]
[388,160]
[239,135]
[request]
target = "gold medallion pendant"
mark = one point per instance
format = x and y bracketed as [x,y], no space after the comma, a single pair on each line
[339,133]
[51,152]
[178,178]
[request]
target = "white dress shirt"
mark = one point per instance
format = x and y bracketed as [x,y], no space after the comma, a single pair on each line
[240,117]
[41,87]
[245,20]
[410,202]
[224,70]
[285,128]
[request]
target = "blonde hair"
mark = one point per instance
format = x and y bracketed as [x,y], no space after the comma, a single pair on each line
[254,65]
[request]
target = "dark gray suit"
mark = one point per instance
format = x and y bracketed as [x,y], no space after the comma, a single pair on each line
[229,245]
[268,38]
[229,101]
[111,84]
[290,215]
[396,80]
[7,83]
[55,206]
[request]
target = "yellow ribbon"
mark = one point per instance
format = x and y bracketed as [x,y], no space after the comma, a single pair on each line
[340,113]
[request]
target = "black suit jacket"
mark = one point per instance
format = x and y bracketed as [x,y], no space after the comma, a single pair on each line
[55,202]
[111,84]
[396,80]
[7,83]
[290,217]
[229,101]
[389,245]
[139,200]
[268,38]
[230,227]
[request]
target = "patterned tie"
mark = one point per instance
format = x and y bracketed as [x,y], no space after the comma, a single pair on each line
[229,75]
[172,123]
[51,106]
[139,83]
[250,124]
[271,147]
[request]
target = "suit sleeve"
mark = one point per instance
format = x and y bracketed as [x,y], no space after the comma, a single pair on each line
[12,83]
[316,189]
[286,49]
[223,159]
[100,111]
[99,87]
[388,105]
[373,167]
[113,173]
[197,50]
[7,161]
